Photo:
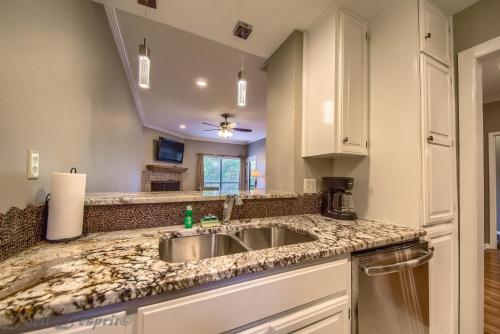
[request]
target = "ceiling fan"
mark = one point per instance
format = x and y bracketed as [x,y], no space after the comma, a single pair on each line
[225,129]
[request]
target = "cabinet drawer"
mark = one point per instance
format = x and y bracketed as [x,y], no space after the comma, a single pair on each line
[230,307]
[336,324]
[327,317]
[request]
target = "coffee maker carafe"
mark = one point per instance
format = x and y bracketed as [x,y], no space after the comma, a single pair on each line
[337,199]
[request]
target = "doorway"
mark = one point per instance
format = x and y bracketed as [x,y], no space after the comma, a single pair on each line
[494,189]
[471,180]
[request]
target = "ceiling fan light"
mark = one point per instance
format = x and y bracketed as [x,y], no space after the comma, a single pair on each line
[225,133]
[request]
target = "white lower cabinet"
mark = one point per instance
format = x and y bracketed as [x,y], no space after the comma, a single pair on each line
[238,305]
[443,285]
[116,323]
[330,316]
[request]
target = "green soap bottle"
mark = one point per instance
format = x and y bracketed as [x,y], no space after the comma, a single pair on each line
[188,219]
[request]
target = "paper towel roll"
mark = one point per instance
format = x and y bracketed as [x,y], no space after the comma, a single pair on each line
[67,198]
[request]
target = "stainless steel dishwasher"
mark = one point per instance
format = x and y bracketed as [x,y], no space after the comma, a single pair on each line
[390,290]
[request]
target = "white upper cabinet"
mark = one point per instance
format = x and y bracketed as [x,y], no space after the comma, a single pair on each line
[335,86]
[438,131]
[434,32]
[353,84]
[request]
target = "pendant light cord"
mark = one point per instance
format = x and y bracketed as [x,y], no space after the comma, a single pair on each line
[145,21]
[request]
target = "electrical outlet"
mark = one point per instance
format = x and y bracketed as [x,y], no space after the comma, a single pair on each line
[33,164]
[309,186]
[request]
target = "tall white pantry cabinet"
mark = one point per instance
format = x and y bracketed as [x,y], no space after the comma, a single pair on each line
[408,176]
[413,130]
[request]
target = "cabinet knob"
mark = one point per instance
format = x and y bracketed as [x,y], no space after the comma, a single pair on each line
[346,139]
[428,35]
[430,139]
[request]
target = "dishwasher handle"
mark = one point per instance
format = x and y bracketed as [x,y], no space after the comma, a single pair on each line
[397,267]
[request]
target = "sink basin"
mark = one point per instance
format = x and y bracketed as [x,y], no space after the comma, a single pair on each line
[199,247]
[267,237]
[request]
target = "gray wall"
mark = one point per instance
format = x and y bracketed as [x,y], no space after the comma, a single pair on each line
[191,148]
[64,93]
[257,149]
[285,168]
[491,123]
[476,24]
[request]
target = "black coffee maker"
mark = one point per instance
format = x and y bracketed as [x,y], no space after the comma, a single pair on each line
[337,199]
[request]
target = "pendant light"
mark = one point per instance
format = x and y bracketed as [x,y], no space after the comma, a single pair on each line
[242,86]
[144,65]
[144,60]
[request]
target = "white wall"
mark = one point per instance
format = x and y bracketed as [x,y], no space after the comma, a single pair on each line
[191,148]
[64,93]
[257,149]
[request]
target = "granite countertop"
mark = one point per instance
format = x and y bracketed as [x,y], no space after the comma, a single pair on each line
[179,196]
[106,268]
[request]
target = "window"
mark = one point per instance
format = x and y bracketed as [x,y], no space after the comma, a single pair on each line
[252,165]
[222,173]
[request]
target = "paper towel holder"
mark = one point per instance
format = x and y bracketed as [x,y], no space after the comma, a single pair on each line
[73,170]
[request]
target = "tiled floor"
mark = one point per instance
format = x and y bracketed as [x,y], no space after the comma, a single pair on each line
[492,291]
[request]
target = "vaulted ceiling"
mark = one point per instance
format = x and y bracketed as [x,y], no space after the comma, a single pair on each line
[191,39]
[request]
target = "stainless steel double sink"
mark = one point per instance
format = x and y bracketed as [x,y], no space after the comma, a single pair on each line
[204,246]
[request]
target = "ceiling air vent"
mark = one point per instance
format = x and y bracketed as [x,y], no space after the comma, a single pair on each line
[242,30]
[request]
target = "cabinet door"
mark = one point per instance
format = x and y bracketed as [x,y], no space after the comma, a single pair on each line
[353,84]
[442,280]
[434,31]
[319,77]
[439,161]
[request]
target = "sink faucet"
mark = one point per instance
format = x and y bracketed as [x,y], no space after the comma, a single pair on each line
[228,207]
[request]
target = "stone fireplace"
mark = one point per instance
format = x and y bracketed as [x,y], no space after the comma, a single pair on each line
[162,178]
[165,185]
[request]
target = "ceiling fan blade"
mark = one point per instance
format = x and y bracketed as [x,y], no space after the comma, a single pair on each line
[242,130]
[209,124]
[211,130]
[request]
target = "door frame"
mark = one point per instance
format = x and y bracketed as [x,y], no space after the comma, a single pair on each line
[492,163]
[471,180]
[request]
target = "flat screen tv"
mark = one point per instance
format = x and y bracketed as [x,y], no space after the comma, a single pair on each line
[170,150]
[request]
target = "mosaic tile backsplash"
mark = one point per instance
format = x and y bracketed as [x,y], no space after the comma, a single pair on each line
[22,228]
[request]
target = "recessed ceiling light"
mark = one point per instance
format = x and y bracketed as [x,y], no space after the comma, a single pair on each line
[201,82]
[182,126]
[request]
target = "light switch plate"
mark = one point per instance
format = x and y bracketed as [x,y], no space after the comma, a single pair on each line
[309,186]
[33,164]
